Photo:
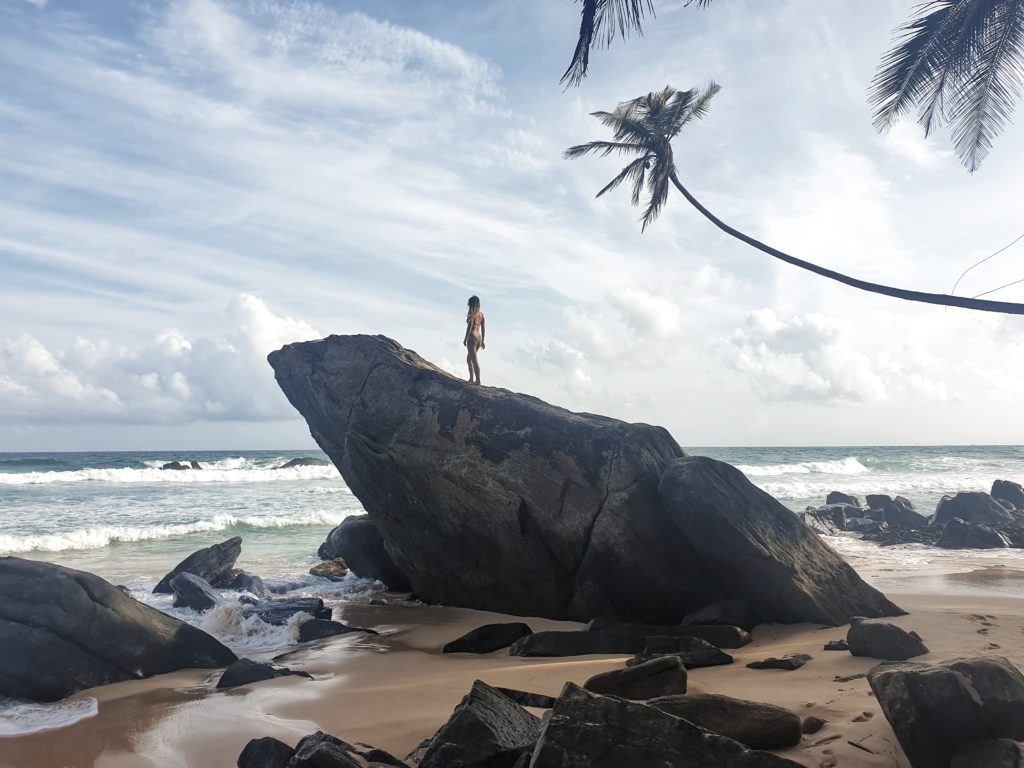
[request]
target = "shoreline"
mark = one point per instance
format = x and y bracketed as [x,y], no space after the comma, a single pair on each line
[394,690]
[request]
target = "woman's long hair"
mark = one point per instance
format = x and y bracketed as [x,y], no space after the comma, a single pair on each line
[474,307]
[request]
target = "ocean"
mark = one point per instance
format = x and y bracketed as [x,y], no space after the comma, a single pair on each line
[120,516]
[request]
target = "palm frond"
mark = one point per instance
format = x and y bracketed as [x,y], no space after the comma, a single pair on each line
[657,189]
[631,171]
[614,18]
[699,104]
[602,149]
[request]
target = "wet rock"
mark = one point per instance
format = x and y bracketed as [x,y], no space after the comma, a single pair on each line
[193,592]
[246,671]
[317,629]
[265,753]
[538,511]
[719,635]
[488,638]
[828,520]
[959,534]
[936,709]
[837,645]
[63,630]
[663,676]
[586,729]
[304,462]
[881,640]
[195,465]
[175,465]
[973,507]
[527,699]
[898,512]
[1009,492]
[989,753]
[332,570]
[246,582]
[486,729]
[864,525]
[788,574]
[756,725]
[692,651]
[735,613]
[209,564]
[838,497]
[359,543]
[279,612]
[788,662]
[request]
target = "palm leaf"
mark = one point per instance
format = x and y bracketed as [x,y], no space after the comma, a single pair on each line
[633,170]
[602,149]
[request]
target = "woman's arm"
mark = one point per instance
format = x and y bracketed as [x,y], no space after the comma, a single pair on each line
[483,331]
[465,339]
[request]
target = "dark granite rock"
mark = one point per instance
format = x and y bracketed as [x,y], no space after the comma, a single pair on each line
[936,709]
[359,543]
[208,563]
[735,613]
[556,643]
[246,671]
[304,462]
[662,676]
[837,645]
[756,725]
[175,465]
[1009,492]
[63,630]
[692,651]
[195,465]
[592,731]
[538,511]
[190,591]
[959,534]
[332,570]
[245,582]
[812,724]
[989,753]
[719,635]
[788,662]
[265,753]
[973,507]
[757,549]
[829,520]
[280,612]
[488,638]
[527,699]
[881,640]
[838,497]
[898,512]
[317,629]
[486,729]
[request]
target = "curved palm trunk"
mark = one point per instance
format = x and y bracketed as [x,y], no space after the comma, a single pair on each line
[983,305]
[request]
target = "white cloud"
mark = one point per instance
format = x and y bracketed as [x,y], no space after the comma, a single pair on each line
[646,313]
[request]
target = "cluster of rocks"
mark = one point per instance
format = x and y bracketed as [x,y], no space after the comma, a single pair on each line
[178,465]
[967,520]
[482,498]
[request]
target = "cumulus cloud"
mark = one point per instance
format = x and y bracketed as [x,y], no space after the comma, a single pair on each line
[565,362]
[172,378]
[646,313]
[805,358]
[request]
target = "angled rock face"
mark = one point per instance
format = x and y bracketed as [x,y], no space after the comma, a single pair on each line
[494,500]
[973,507]
[214,564]
[358,542]
[63,630]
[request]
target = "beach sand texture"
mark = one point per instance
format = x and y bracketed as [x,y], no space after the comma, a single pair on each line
[394,690]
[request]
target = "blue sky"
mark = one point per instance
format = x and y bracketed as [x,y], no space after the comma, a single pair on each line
[191,184]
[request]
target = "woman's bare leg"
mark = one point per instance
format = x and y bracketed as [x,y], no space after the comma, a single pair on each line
[469,361]
[476,367]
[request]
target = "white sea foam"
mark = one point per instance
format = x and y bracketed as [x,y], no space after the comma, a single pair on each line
[20,717]
[848,466]
[248,634]
[914,486]
[101,536]
[245,472]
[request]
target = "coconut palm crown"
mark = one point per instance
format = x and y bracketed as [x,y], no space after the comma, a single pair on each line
[644,127]
[643,130]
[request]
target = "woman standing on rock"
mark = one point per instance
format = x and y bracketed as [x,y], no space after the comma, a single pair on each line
[474,339]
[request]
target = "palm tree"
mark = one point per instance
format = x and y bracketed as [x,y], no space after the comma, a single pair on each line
[643,129]
[959,61]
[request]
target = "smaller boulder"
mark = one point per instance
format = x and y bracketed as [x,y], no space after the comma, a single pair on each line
[247,671]
[973,507]
[838,497]
[719,635]
[837,645]
[317,629]
[195,465]
[488,638]
[692,651]
[304,462]
[265,753]
[280,612]
[175,465]
[879,639]
[989,753]
[663,676]
[1009,492]
[788,662]
[812,724]
[527,699]
[555,643]
[332,570]
[959,534]
[243,582]
[897,513]
[210,563]
[755,725]
[190,591]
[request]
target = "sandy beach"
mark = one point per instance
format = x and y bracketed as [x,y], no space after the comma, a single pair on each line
[396,689]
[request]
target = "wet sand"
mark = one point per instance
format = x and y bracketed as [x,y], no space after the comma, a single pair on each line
[397,689]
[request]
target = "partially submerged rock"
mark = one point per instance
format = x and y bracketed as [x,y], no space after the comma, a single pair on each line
[317,629]
[881,640]
[210,563]
[332,570]
[959,534]
[1009,492]
[974,507]
[304,462]
[585,729]
[63,630]
[838,497]
[280,612]
[247,671]
[896,512]
[190,591]
[488,638]
[498,501]
[937,709]
[751,723]
[662,676]
[358,542]
[486,728]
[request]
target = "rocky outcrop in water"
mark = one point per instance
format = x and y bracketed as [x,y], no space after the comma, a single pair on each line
[494,500]
[358,542]
[214,564]
[63,630]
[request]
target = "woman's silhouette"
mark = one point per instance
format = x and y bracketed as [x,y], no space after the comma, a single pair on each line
[474,339]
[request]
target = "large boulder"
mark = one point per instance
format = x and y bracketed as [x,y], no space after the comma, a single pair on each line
[358,542]
[214,564]
[937,709]
[488,638]
[958,534]
[973,507]
[63,630]
[756,548]
[494,500]
[585,729]
[898,512]
[1009,492]
[838,497]
[751,723]
[882,640]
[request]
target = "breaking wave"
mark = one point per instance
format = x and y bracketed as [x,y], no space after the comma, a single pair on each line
[848,466]
[244,472]
[18,718]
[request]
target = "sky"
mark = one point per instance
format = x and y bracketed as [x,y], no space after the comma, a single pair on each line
[191,184]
